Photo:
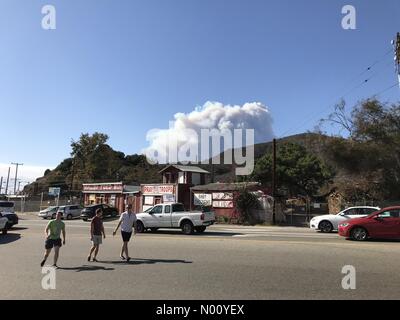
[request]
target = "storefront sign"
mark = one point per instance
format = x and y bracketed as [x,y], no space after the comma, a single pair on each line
[110,187]
[158,189]
[222,204]
[202,199]
[223,196]
[168,198]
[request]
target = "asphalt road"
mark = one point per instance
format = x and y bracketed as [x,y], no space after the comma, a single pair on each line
[226,262]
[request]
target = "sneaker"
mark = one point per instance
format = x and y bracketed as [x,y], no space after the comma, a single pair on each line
[88,258]
[128,259]
[95,260]
[122,257]
[55,266]
[42,263]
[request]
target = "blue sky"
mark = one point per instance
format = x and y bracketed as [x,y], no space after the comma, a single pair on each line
[125,67]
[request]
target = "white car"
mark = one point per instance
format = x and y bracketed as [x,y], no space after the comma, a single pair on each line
[328,223]
[3,224]
[70,211]
[173,215]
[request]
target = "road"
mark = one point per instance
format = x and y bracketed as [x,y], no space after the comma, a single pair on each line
[226,262]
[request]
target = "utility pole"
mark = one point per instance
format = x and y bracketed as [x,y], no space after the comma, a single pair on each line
[1,184]
[396,47]
[274,181]
[16,174]
[8,179]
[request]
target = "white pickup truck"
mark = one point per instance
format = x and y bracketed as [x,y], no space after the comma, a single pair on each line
[173,215]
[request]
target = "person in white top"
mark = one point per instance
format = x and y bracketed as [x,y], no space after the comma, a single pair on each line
[127,221]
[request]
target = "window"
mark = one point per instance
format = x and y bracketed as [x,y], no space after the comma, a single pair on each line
[6,204]
[368,211]
[390,214]
[350,212]
[157,209]
[167,209]
[178,207]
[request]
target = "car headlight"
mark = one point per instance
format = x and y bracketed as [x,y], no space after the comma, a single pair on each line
[344,225]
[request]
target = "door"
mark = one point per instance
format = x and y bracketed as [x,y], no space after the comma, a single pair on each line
[178,211]
[166,219]
[155,217]
[387,225]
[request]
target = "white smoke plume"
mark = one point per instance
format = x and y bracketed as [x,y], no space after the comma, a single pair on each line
[212,115]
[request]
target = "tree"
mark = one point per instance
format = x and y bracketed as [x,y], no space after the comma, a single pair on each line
[298,171]
[373,150]
[246,202]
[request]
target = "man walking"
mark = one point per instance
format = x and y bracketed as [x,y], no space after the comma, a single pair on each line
[127,222]
[53,238]
[96,232]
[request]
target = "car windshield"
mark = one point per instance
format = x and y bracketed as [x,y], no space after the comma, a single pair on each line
[148,210]
[6,204]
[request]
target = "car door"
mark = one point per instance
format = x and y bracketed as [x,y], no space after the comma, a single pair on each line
[178,211]
[386,225]
[154,219]
[166,219]
[75,211]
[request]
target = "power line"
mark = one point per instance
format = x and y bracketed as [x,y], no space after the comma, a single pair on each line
[364,82]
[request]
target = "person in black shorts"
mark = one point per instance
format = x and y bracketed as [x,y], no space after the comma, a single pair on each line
[127,222]
[53,238]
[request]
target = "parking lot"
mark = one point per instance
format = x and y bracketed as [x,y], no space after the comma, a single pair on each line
[226,262]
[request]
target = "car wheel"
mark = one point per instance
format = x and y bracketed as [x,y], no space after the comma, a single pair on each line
[201,229]
[139,227]
[153,229]
[359,234]
[84,219]
[69,217]
[325,227]
[187,227]
[4,231]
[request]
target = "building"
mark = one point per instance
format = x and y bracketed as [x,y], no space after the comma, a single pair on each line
[221,197]
[115,194]
[175,187]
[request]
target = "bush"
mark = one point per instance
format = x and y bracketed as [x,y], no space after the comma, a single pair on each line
[246,203]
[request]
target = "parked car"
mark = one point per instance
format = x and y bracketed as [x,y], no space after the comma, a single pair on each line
[48,213]
[7,210]
[70,211]
[383,224]
[3,224]
[173,215]
[90,211]
[328,223]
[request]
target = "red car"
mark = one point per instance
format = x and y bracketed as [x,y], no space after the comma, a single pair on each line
[383,224]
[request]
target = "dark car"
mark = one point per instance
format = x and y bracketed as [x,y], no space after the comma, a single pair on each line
[90,211]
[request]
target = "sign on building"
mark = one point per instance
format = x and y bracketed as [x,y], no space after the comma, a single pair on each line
[202,199]
[223,204]
[158,189]
[54,192]
[168,198]
[223,196]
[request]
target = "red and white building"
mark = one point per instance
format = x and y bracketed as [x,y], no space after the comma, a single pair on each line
[115,194]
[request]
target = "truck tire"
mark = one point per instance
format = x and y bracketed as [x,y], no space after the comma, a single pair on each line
[140,227]
[187,227]
[200,229]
